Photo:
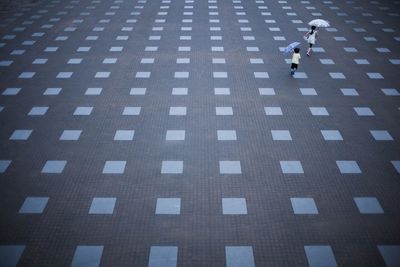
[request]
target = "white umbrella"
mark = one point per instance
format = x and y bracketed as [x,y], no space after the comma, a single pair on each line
[319,23]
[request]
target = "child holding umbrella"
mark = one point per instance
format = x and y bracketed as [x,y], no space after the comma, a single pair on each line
[295,61]
[311,37]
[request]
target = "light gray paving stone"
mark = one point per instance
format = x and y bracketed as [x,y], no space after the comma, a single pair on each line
[239,256]
[390,254]
[172,167]
[320,256]
[34,205]
[171,206]
[10,255]
[304,205]
[54,166]
[88,256]
[348,167]
[291,167]
[114,167]
[163,256]
[234,206]
[102,205]
[368,205]
[230,167]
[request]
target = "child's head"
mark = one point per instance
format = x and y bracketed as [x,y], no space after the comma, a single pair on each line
[313,27]
[297,50]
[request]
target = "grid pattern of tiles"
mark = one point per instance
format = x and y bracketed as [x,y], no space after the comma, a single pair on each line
[169,133]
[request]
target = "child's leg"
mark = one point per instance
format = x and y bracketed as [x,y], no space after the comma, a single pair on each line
[309,50]
[292,69]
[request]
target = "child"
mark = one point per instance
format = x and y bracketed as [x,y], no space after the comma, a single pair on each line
[295,61]
[311,36]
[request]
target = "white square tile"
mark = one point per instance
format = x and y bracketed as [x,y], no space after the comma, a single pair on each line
[218,61]
[361,61]
[236,256]
[327,61]
[131,111]
[374,75]
[350,49]
[116,49]
[143,74]
[390,91]
[222,91]
[304,205]
[224,111]
[331,135]
[38,111]
[226,135]
[380,135]
[74,61]
[252,49]
[368,205]
[172,167]
[220,74]
[337,75]
[348,167]
[291,167]
[234,206]
[83,111]
[217,48]
[124,135]
[383,50]
[70,135]
[110,60]
[147,61]
[21,135]
[300,75]
[256,61]
[182,60]
[230,167]
[175,135]
[181,75]
[40,61]
[281,135]
[177,111]
[364,111]
[52,91]
[64,75]
[179,91]
[137,91]
[102,74]
[349,91]
[273,111]
[26,75]
[54,166]
[93,91]
[266,91]
[261,75]
[6,63]
[308,91]
[184,48]
[168,206]
[83,49]
[319,111]
[114,167]
[102,205]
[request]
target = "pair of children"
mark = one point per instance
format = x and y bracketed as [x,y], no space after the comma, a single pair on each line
[310,36]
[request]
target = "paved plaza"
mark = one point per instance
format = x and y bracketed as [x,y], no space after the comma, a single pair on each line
[169,133]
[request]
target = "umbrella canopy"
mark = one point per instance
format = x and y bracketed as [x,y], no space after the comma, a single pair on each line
[291,47]
[319,23]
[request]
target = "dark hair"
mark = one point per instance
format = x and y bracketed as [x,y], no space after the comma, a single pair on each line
[297,50]
[312,29]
